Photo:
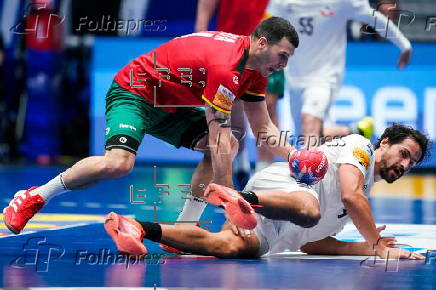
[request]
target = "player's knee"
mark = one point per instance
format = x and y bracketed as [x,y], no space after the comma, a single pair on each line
[117,166]
[307,217]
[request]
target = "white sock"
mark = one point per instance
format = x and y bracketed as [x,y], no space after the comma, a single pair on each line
[52,188]
[192,210]
[261,165]
[242,162]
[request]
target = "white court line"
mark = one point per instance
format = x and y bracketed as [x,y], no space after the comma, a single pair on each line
[53,229]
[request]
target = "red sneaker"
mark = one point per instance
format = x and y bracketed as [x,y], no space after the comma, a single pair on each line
[237,209]
[21,209]
[126,233]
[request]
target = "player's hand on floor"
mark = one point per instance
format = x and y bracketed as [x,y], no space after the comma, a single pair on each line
[387,249]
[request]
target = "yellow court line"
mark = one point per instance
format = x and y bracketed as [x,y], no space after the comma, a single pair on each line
[32,226]
[44,217]
[421,186]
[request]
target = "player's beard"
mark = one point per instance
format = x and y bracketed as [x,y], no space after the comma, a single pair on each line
[384,173]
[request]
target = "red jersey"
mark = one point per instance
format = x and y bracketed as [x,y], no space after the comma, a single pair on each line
[193,69]
[241,16]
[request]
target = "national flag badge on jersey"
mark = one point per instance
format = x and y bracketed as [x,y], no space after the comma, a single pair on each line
[362,156]
[224,98]
[327,11]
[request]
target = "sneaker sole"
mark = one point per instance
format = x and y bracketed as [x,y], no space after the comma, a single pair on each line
[237,210]
[14,231]
[125,243]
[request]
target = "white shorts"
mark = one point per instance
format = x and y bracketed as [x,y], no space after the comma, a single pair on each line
[315,99]
[274,177]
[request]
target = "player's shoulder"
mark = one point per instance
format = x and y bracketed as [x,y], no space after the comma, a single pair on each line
[357,3]
[360,148]
[356,139]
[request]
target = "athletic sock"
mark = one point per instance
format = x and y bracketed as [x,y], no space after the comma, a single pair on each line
[192,209]
[153,231]
[52,188]
[250,197]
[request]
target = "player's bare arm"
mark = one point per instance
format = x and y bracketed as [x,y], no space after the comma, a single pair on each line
[205,10]
[358,207]
[356,203]
[222,145]
[332,246]
[263,128]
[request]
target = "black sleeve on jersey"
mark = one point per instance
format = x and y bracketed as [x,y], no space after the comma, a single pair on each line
[252,98]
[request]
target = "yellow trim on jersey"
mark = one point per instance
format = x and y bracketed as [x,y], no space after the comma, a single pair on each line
[215,106]
[254,94]
[266,15]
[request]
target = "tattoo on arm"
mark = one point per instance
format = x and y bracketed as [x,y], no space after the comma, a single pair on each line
[221,118]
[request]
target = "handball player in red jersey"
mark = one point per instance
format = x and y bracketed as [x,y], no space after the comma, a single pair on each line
[160,94]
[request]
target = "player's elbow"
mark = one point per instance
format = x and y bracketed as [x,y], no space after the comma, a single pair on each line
[307,218]
[350,199]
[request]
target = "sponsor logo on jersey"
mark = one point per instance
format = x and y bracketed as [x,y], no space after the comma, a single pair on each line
[236,80]
[361,156]
[327,11]
[224,98]
[127,126]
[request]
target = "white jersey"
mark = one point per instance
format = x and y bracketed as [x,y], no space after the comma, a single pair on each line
[321,27]
[280,235]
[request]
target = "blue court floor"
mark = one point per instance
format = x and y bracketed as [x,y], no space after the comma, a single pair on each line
[66,246]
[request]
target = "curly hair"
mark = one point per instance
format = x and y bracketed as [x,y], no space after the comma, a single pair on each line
[397,133]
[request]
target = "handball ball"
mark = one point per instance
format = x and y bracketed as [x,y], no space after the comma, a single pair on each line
[308,166]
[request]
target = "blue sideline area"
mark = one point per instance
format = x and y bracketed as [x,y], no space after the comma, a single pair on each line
[67,245]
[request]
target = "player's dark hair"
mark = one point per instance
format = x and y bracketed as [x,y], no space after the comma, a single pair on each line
[274,29]
[397,133]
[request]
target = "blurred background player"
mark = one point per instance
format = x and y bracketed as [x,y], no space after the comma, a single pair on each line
[316,73]
[292,215]
[241,17]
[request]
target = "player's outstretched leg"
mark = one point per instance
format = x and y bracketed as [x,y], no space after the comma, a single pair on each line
[187,238]
[300,207]
[237,210]
[26,203]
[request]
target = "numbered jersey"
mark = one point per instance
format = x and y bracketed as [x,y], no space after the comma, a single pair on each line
[280,235]
[193,69]
[321,26]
